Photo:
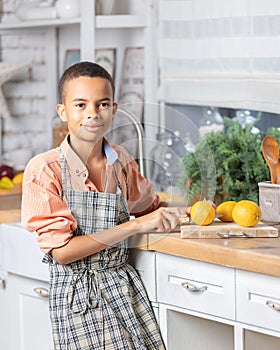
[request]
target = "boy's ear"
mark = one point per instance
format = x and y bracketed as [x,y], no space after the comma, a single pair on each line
[115,107]
[60,108]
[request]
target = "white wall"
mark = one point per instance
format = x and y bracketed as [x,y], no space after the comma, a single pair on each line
[27,132]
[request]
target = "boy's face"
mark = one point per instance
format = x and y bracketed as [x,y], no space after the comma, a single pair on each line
[88,108]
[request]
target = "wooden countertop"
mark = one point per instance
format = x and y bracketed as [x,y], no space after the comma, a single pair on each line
[9,216]
[260,255]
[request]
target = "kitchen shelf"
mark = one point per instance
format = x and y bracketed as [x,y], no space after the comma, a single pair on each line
[121,21]
[89,32]
[115,21]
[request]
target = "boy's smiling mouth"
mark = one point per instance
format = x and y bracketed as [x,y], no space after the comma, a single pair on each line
[92,127]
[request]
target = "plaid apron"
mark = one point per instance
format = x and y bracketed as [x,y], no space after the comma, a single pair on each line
[99,302]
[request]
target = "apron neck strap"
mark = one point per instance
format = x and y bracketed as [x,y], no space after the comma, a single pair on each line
[66,176]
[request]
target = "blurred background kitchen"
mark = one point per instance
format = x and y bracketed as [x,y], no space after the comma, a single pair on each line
[186,72]
[180,67]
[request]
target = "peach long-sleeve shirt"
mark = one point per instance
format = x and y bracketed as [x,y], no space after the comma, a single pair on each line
[43,209]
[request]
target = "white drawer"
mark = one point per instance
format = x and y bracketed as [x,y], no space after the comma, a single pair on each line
[258,298]
[144,262]
[213,285]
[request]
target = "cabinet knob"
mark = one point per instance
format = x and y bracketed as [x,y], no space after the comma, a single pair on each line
[273,305]
[2,283]
[43,292]
[193,288]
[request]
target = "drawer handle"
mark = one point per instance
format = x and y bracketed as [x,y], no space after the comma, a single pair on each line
[193,288]
[273,305]
[43,292]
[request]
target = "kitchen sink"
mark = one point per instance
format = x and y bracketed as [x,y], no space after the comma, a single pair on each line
[20,253]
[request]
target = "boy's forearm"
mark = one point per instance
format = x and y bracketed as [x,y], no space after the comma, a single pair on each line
[82,246]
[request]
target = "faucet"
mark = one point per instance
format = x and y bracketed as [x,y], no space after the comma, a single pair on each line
[140,134]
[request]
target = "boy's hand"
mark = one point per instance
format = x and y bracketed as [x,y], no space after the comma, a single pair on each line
[161,220]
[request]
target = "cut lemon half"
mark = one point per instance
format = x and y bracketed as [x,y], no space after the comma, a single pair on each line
[202,213]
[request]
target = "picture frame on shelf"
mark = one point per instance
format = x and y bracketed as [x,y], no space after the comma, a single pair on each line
[72,56]
[131,99]
[105,57]
[131,95]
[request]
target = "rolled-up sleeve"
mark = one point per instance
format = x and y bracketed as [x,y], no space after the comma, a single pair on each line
[43,209]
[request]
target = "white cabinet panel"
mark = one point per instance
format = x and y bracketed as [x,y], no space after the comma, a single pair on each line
[21,254]
[196,285]
[144,262]
[258,341]
[30,313]
[185,331]
[5,316]
[258,299]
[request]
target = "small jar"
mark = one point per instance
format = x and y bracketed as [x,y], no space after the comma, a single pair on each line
[105,7]
[60,130]
[67,8]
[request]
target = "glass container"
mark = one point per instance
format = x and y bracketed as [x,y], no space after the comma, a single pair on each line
[211,121]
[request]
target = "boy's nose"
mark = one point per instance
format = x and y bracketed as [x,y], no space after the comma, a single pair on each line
[92,115]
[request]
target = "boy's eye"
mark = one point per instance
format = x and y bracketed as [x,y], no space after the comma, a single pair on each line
[80,105]
[104,105]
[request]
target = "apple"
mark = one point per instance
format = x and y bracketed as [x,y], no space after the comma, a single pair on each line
[6,170]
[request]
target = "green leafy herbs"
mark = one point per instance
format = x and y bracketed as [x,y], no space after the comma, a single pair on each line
[275,132]
[226,165]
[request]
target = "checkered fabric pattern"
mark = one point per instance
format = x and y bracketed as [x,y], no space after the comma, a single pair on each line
[99,302]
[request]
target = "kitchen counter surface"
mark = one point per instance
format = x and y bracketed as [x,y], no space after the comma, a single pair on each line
[260,255]
[9,216]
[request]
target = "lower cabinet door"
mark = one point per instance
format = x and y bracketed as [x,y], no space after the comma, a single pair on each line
[145,263]
[5,316]
[258,300]
[258,341]
[181,331]
[30,314]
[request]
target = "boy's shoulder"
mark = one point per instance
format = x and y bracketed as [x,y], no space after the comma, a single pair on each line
[123,154]
[45,158]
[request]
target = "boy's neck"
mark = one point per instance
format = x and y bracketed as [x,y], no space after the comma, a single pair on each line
[89,152]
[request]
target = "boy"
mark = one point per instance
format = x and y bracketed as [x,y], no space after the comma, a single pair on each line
[79,198]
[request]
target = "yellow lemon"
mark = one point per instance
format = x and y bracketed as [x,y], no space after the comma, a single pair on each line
[225,210]
[246,213]
[6,183]
[202,213]
[17,179]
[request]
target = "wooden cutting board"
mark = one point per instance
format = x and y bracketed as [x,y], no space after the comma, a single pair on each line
[227,229]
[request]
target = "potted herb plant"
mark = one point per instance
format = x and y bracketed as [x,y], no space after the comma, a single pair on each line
[226,165]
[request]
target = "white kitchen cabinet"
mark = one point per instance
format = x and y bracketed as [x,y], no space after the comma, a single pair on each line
[145,264]
[193,296]
[28,308]
[258,300]
[198,286]
[5,319]
[183,329]
[24,315]
[258,305]
[259,341]
[213,307]
[5,316]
